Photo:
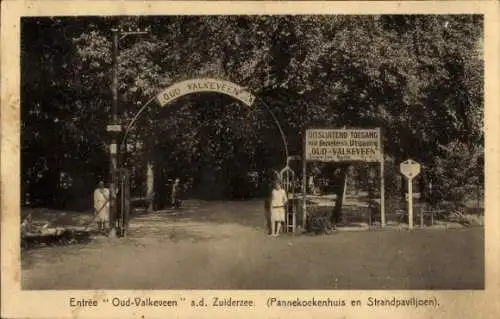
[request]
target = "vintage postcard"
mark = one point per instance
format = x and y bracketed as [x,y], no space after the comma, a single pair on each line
[236,159]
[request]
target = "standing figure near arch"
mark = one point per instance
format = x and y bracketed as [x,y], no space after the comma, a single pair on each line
[176,193]
[278,203]
[102,206]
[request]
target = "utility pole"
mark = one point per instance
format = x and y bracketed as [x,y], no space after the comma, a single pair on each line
[114,128]
[114,121]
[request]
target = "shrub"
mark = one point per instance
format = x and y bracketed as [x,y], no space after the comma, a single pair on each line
[456,173]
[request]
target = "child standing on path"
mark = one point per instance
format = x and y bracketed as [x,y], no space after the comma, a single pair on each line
[278,202]
[101,206]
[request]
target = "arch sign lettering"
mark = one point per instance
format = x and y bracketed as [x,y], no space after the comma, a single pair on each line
[205,85]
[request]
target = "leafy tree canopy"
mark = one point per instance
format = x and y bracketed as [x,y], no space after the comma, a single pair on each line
[418,77]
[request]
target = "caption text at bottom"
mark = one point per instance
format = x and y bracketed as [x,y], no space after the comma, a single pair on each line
[272,302]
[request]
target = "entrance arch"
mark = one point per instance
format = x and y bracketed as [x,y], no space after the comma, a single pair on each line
[201,85]
[186,87]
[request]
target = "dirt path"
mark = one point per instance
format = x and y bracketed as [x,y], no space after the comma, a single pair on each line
[224,246]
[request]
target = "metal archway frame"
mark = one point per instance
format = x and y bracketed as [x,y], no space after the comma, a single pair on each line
[197,85]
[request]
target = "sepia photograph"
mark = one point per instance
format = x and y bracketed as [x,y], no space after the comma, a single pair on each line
[252,152]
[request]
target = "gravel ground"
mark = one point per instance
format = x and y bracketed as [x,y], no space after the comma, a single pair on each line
[224,245]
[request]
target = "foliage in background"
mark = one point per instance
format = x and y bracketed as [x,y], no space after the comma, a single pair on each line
[419,78]
[459,172]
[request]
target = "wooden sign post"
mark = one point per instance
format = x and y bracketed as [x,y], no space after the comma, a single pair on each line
[410,169]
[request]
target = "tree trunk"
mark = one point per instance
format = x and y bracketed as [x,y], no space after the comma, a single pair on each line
[336,213]
[150,186]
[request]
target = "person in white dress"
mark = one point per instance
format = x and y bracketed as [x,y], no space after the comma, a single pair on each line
[175,198]
[278,203]
[102,206]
